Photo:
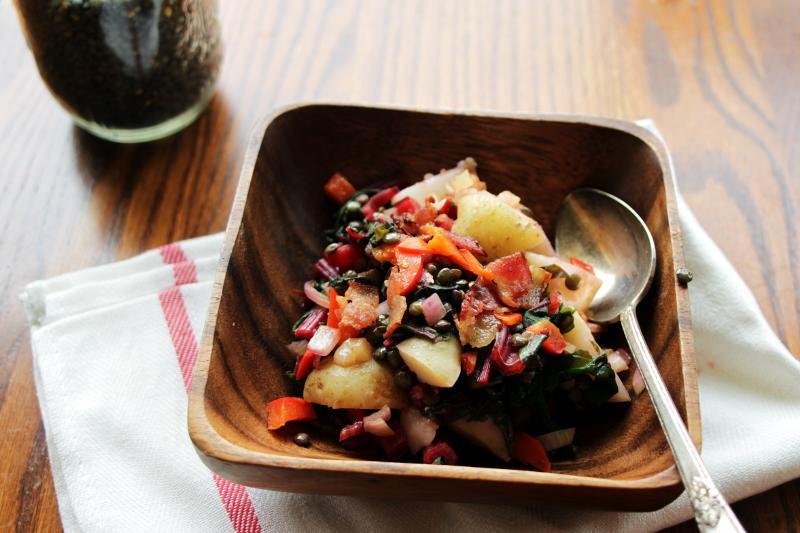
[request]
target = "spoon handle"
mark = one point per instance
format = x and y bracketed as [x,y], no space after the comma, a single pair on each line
[711,511]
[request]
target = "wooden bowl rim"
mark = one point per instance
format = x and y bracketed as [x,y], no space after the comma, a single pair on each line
[213,448]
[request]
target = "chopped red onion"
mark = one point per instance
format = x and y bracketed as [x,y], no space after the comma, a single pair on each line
[325,269]
[314,295]
[625,354]
[298,348]
[638,382]
[351,430]
[376,422]
[433,309]
[617,361]
[383,308]
[324,340]
[557,439]
[420,430]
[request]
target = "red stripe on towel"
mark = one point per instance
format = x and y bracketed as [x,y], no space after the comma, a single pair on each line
[183,268]
[234,497]
[180,330]
[239,506]
[173,253]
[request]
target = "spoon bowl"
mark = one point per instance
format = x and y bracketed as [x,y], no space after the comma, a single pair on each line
[605,232]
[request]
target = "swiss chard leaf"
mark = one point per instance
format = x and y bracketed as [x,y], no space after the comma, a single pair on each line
[594,377]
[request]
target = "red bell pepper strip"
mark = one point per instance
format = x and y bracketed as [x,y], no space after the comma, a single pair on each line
[468,362]
[509,319]
[309,326]
[439,450]
[443,246]
[412,245]
[578,263]
[555,342]
[554,302]
[334,309]
[407,205]
[529,450]
[305,363]
[378,200]
[288,409]
[338,188]
[461,241]
[406,274]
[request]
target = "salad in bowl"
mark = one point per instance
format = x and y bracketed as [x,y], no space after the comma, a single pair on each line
[440,319]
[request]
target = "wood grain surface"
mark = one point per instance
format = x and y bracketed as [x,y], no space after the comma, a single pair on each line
[720,77]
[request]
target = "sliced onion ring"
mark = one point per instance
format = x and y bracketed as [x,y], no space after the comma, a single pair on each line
[314,295]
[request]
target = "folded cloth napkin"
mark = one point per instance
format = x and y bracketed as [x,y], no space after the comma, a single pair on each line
[114,347]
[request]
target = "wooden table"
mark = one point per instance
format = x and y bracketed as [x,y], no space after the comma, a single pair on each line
[721,78]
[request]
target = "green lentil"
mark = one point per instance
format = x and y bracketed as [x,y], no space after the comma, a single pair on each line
[446,276]
[393,357]
[380,353]
[442,326]
[573,281]
[302,439]
[402,379]
[391,238]
[518,340]
[457,296]
[352,208]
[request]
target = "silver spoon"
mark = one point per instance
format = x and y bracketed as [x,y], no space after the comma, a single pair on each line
[604,231]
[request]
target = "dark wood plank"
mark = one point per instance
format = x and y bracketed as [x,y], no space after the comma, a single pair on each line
[720,77]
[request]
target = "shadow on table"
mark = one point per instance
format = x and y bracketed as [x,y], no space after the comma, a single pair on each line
[147,194]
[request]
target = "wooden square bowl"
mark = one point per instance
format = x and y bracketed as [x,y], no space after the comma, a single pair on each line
[275,233]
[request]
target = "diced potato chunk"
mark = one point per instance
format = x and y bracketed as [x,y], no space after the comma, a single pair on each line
[367,385]
[581,297]
[353,351]
[483,433]
[498,227]
[434,363]
[580,336]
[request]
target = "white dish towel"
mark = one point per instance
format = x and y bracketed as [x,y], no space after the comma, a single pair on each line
[113,351]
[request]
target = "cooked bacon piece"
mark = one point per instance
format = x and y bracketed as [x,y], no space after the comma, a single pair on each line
[360,311]
[477,325]
[514,282]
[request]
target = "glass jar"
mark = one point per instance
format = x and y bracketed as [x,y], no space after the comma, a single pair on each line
[127,70]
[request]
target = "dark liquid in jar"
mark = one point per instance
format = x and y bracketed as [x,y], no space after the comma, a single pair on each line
[125,64]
